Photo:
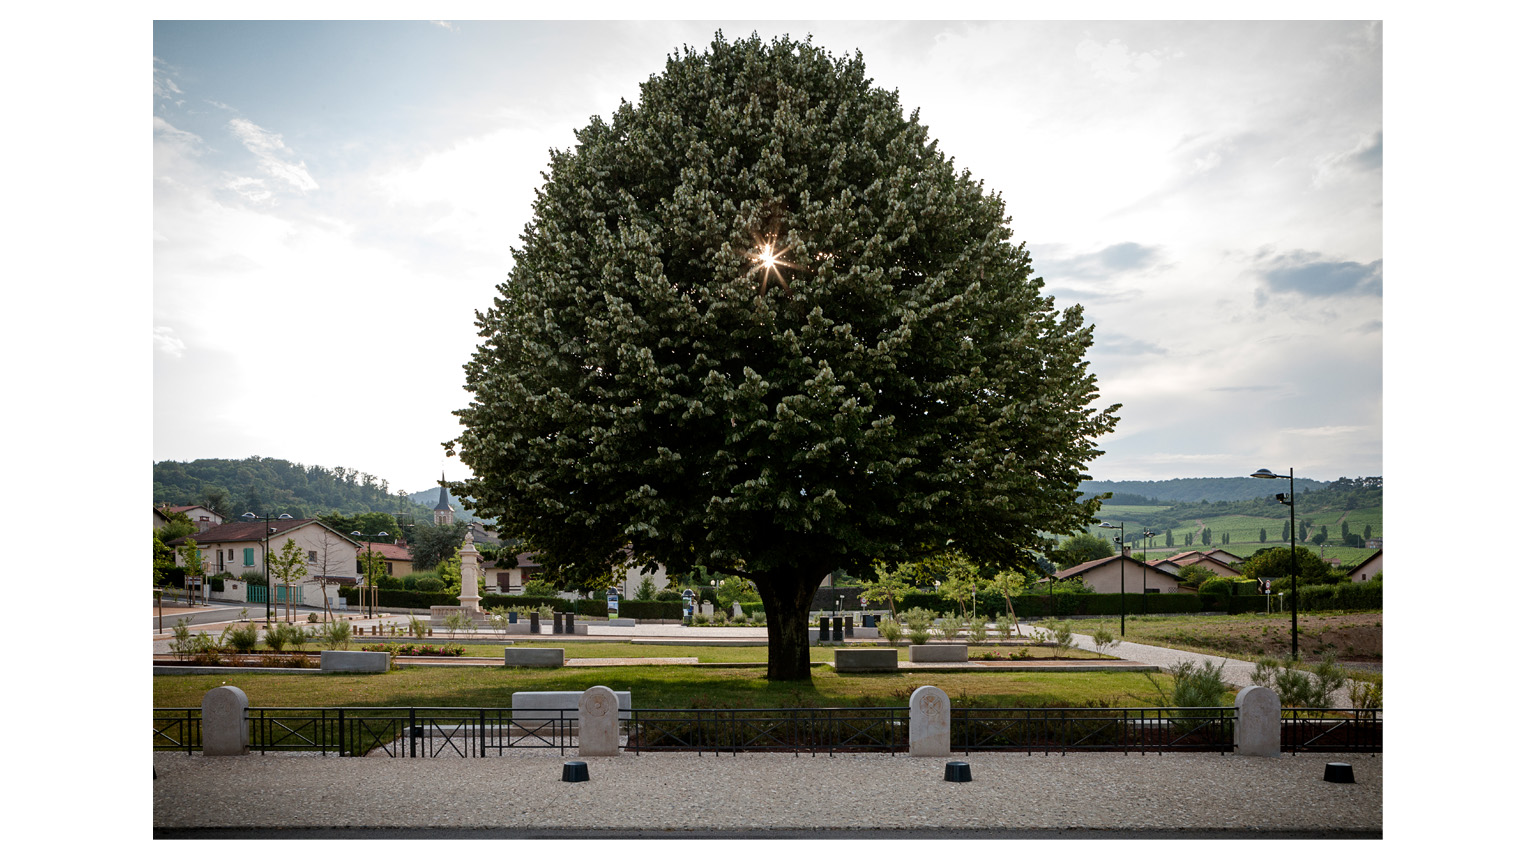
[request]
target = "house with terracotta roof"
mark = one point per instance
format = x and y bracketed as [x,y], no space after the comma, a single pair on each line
[235,550]
[1103,576]
[1368,569]
[201,516]
[1219,566]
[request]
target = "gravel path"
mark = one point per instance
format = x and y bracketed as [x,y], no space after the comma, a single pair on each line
[684,793]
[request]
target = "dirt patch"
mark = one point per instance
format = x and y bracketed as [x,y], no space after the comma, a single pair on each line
[1354,636]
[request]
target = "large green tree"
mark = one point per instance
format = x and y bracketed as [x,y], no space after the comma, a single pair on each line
[760,323]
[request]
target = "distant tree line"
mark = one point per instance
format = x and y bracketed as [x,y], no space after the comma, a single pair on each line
[263,485]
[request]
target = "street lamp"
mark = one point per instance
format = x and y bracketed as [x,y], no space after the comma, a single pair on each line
[1147,555]
[1121,541]
[368,573]
[1289,501]
[266,553]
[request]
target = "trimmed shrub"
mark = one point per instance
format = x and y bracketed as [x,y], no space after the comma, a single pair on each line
[665,609]
[399,599]
[522,602]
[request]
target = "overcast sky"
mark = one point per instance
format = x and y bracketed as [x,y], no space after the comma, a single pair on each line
[332,202]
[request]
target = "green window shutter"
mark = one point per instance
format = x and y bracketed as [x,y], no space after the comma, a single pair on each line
[250,557]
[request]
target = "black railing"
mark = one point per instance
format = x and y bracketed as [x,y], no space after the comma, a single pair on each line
[786,730]
[179,729]
[396,732]
[1346,730]
[1121,730]
[483,732]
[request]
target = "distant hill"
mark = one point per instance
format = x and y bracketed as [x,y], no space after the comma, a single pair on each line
[264,485]
[1195,489]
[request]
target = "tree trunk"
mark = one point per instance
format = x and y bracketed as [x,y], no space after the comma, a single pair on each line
[787,601]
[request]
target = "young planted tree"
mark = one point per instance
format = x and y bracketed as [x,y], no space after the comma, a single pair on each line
[889,586]
[288,567]
[192,564]
[760,323]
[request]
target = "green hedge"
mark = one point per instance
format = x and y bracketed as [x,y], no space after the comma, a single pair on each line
[1344,597]
[522,602]
[398,599]
[671,610]
[1052,605]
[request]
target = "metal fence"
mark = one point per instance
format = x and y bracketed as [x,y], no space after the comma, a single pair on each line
[787,730]
[1347,730]
[393,732]
[1118,730]
[486,732]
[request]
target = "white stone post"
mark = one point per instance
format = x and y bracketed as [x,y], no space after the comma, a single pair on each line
[598,714]
[1257,731]
[928,734]
[226,731]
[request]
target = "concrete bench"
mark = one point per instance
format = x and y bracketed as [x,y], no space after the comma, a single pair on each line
[354,661]
[535,657]
[939,654]
[539,705]
[864,660]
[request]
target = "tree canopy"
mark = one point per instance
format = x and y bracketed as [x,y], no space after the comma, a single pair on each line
[1080,549]
[760,323]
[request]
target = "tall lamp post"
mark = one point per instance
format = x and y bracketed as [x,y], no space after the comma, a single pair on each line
[1121,541]
[1289,501]
[1147,562]
[368,573]
[266,552]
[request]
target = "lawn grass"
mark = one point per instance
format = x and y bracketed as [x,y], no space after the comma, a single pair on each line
[733,653]
[662,687]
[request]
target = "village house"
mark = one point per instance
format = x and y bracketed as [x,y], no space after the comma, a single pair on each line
[1103,576]
[233,552]
[201,516]
[1366,570]
[1221,566]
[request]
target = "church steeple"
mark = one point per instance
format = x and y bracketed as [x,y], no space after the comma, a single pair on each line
[442,514]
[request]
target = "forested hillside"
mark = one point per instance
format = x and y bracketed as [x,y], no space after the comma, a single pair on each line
[1193,489]
[262,485]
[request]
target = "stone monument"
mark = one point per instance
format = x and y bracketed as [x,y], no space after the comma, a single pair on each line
[469,586]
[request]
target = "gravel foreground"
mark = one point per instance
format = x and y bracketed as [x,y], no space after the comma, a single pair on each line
[766,795]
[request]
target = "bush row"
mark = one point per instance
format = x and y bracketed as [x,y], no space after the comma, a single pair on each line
[1052,605]
[398,598]
[1346,596]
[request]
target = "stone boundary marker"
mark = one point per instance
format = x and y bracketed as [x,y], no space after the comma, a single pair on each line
[928,734]
[226,731]
[1258,722]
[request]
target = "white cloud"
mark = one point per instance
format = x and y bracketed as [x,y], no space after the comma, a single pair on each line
[1116,63]
[183,141]
[167,343]
[252,189]
[269,149]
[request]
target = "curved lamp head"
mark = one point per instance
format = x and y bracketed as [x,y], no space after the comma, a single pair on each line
[1266,474]
[247,515]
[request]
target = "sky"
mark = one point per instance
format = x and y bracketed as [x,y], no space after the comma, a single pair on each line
[333,201]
